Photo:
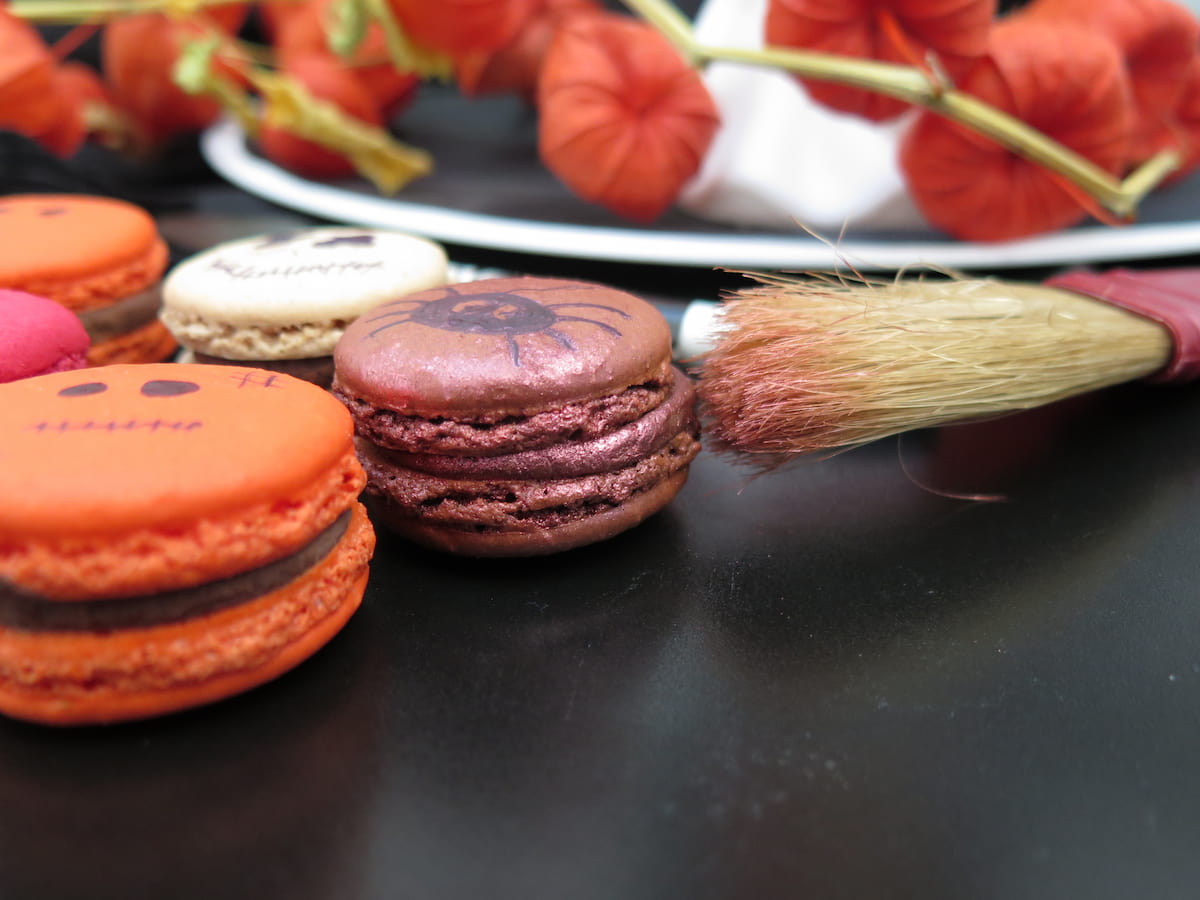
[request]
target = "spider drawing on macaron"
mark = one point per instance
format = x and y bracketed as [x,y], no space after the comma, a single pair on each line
[506,314]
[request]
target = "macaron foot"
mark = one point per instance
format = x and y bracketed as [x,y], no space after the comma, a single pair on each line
[588,528]
[83,678]
[148,344]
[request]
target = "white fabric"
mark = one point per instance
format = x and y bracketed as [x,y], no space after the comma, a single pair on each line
[780,160]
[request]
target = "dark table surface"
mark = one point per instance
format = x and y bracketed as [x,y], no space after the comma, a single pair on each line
[833,680]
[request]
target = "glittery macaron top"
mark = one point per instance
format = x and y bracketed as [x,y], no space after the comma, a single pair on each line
[502,346]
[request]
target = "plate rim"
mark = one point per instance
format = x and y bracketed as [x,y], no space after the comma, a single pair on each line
[224,147]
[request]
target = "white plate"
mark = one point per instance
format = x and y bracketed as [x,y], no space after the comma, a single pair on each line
[490,191]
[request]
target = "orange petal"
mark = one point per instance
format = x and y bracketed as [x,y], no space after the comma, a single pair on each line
[304,33]
[1067,83]
[26,75]
[1157,40]
[138,55]
[514,67]
[326,79]
[955,30]
[461,26]
[624,122]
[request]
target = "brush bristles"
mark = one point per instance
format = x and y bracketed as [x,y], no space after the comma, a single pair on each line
[803,366]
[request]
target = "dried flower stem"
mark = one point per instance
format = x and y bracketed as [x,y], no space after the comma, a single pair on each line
[914,86]
[86,12]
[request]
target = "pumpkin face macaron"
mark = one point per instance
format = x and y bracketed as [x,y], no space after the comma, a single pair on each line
[170,535]
[516,416]
[101,258]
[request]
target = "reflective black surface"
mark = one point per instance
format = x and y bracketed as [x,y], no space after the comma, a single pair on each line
[833,680]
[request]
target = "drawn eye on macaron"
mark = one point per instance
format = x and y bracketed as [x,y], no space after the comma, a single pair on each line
[43,211]
[106,406]
[156,387]
[506,314]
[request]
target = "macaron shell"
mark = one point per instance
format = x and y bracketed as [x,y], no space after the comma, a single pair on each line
[73,679]
[233,300]
[107,450]
[252,344]
[520,505]
[154,559]
[149,344]
[139,478]
[78,250]
[535,542]
[508,346]
[613,449]
[38,336]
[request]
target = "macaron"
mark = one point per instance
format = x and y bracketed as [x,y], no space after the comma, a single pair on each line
[170,535]
[38,336]
[516,416]
[282,301]
[101,258]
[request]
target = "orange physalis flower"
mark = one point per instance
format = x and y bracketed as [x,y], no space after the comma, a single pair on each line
[513,68]
[326,79]
[1185,122]
[138,55]
[623,120]
[1157,40]
[461,26]
[72,84]
[26,78]
[1065,82]
[305,32]
[897,31]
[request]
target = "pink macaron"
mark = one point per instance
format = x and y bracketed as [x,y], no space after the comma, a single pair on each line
[38,336]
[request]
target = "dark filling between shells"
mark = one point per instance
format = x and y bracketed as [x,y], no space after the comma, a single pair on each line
[29,612]
[107,322]
[483,506]
[487,437]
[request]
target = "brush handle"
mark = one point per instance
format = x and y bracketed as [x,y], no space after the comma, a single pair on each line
[1170,297]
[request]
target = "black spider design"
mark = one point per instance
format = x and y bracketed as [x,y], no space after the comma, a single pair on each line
[503,313]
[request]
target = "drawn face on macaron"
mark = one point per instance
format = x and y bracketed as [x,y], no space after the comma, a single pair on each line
[188,439]
[59,237]
[313,253]
[26,214]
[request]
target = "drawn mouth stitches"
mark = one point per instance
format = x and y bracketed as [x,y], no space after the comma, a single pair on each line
[113,426]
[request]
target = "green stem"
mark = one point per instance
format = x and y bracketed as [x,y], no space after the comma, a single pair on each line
[670,22]
[86,12]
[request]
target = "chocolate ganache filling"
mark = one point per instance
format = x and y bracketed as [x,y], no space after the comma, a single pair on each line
[107,322]
[24,611]
[616,449]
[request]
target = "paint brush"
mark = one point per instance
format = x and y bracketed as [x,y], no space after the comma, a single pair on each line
[803,365]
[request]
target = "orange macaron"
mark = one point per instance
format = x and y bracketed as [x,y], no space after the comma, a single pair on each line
[101,258]
[170,535]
